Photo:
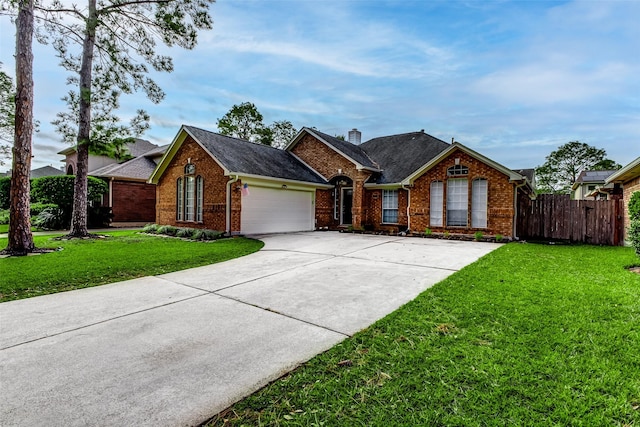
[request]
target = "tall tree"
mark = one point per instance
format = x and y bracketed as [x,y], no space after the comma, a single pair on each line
[282,132]
[20,237]
[123,34]
[244,121]
[563,166]
[7,115]
[109,136]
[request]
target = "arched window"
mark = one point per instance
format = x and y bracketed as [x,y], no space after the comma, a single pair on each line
[458,170]
[189,196]
[179,200]
[199,192]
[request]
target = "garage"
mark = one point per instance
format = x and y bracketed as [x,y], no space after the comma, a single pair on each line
[277,210]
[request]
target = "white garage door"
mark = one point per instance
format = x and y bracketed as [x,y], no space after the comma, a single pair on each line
[270,210]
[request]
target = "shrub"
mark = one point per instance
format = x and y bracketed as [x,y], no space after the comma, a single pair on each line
[478,235]
[634,206]
[4,216]
[38,207]
[51,218]
[169,230]
[150,228]
[185,232]
[499,237]
[5,188]
[428,232]
[634,235]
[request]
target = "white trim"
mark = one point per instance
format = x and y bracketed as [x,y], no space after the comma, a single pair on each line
[619,175]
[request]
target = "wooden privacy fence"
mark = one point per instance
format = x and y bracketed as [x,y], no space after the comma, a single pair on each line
[557,217]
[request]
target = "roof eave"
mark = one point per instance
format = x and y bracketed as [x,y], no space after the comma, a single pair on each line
[628,172]
[283,180]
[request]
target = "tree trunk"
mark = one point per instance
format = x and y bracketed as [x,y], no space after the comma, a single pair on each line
[20,237]
[80,194]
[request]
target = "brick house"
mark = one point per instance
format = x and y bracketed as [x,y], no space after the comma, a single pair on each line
[131,198]
[408,181]
[629,178]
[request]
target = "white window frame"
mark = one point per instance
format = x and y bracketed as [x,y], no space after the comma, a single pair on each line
[389,206]
[199,198]
[457,202]
[179,199]
[189,197]
[436,204]
[479,202]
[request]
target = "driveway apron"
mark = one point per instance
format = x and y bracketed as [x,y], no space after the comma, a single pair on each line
[175,349]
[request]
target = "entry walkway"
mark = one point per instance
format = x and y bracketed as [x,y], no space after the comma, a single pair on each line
[178,348]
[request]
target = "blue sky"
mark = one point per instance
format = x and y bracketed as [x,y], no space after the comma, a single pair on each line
[511,79]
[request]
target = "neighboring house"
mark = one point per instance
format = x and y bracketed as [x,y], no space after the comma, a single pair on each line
[39,172]
[629,178]
[130,196]
[408,181]
[590,185]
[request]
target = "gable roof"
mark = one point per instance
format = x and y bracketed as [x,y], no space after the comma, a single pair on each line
[400,155]
[594,176]
[530,174]
[138,168]
[38,172]
[513,175]
[240,157]
[627,173]
[351,152]
[136,148]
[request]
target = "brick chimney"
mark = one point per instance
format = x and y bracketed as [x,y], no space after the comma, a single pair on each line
[355,136]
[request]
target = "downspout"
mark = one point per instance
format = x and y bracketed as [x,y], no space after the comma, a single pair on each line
[515,207]
[228,207]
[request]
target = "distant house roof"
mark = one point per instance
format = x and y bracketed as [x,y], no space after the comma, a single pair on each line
[138,168]
[39,172]
[627,173]
[242,157]
[402,154]
[136,148]
[530,174]
[592,177]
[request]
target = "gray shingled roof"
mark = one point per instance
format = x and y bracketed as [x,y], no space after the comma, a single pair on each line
[401,155]
[353,151]
[255,159]
[594,176]
[139,168]
[38,172]
[527,173]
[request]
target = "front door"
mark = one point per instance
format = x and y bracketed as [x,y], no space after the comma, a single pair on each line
[347,203]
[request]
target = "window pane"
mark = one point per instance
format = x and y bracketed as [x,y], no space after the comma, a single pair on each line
[479,203]
[390,206]
[179,199]
[199,199]
[188,197]
[457,201]
[437,204]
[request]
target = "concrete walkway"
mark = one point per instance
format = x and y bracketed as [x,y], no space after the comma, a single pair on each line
[175,349]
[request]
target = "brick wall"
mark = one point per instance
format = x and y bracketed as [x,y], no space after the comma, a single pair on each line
[628,189]
[214,190]
[330,164]
[133,201]
[500,211]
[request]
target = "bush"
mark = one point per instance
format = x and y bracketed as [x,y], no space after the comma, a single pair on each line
[37,207]
[5,188]
[634,206]
[169,230]
[428,232]
[4,216]
[185,232]
[51,218]
[150,228]
[634,235]
[58,190]
[478,235]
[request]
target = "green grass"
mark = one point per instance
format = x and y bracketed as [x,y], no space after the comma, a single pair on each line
[121,256]
[528,335]
[4,228]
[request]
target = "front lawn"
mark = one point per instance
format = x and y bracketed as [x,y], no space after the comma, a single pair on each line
[122,255]
[528,335]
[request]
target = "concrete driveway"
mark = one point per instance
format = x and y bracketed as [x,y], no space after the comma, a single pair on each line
[176,349]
